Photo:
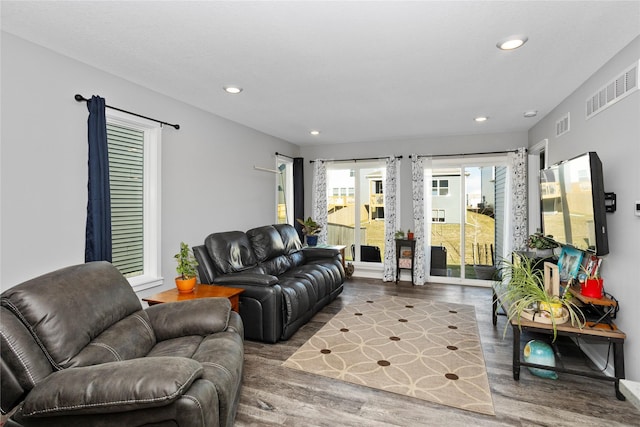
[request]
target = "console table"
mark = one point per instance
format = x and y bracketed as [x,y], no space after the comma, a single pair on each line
[607,332]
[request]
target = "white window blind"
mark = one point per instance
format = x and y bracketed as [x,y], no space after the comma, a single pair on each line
[126,176]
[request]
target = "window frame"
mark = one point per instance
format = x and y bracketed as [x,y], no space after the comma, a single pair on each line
[152,275]
[288,189]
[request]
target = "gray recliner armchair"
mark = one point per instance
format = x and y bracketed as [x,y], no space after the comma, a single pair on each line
[78,350]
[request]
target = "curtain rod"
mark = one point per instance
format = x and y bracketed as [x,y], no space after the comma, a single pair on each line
[81,98]
[357,160]
[467,154]
[284,155]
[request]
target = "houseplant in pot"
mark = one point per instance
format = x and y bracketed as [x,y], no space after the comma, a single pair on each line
[311,229]
[541,244]
[522,289]
[186,268]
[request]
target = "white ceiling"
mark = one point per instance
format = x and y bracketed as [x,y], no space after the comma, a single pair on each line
[358,71]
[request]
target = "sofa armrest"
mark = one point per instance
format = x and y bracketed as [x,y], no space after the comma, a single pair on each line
[202,316]
[246,279]
[112,387]
[319,253]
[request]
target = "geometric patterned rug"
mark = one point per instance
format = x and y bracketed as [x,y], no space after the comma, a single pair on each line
[424,349]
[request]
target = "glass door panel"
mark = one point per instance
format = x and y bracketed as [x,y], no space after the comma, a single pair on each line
[447,218]
[341,208]
[467,218]
[355,210]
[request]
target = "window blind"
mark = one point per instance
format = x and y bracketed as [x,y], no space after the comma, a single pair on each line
[126,175]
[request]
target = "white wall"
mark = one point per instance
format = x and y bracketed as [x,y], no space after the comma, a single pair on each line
[405,147]
[208,180]
[615,135]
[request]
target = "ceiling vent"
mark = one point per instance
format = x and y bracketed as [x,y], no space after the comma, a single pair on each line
[562,126]
[614,91]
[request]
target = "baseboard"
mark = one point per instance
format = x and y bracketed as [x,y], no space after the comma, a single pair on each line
[598,359]
[631,391]
[376,271]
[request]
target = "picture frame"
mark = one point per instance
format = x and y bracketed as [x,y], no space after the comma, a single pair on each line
[569,263]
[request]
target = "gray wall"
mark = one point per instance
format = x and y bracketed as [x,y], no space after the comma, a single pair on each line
[615,135]
[208,180]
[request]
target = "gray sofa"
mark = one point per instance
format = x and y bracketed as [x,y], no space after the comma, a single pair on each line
[284,284]
[78,350]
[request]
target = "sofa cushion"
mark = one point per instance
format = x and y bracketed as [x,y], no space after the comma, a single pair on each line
[23,362]
[276,266]
[290,238]
[265,242]
[112,387]
[230,251]
[64,317]
[130,338]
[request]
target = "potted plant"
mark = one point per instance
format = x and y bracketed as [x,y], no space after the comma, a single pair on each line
[399,235]
[541,244]
[311,229]
[522,289]
[186,268]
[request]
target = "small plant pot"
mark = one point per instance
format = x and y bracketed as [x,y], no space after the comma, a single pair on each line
[592,288]
[312,240]
[410,236]
[555,308]
[185,286]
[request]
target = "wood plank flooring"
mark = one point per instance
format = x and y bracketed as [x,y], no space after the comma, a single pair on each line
[276,396]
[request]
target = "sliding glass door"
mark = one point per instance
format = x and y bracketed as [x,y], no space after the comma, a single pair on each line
[465,209]
[355,209]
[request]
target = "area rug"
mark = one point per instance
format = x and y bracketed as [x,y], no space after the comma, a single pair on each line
[424,349]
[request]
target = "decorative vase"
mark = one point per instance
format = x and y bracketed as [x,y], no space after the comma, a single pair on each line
[185,286]
[592,288]
[312,240]
[540,353]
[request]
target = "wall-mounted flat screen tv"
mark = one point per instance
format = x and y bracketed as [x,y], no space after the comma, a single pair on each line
[573,203]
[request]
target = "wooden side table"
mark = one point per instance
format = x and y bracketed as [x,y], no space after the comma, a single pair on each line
[339,248]
[405,256]
[201,291]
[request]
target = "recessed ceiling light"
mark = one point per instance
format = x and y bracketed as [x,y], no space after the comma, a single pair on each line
[531,113]
[512,42]
[232,89]
[315,132]
[481,119]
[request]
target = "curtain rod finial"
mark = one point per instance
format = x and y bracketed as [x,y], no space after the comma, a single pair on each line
[79,98]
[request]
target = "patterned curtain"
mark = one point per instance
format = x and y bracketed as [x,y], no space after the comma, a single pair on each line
[518,167]
[390,218]
[417,172]
[319,199]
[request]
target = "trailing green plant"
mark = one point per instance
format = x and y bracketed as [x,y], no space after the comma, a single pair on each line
[540,241]
[310,227]
[186,262]
[522,289]
[399,234]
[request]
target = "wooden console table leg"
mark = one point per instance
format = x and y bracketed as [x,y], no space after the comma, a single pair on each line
[516,353]
[618,367]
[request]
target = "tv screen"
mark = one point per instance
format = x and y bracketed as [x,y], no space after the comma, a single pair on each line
[572,203]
